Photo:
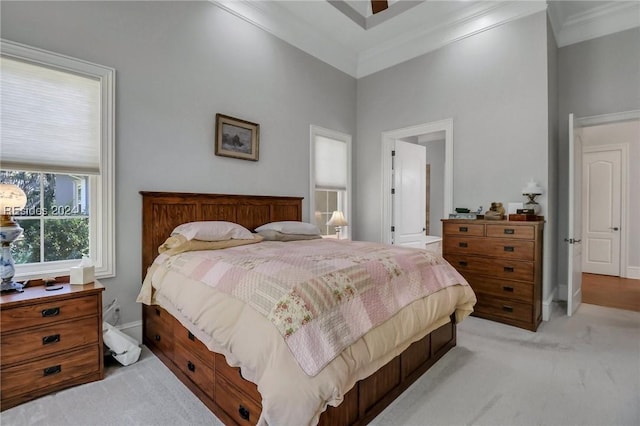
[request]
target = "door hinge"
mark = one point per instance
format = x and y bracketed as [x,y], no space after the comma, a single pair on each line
[572,241]
[393,229]
[393,191]
[393,153]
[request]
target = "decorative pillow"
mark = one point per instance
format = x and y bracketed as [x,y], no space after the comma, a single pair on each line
[213,231]
[271,235]
[291,227]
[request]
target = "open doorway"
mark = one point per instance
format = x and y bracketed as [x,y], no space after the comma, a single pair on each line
[437,139]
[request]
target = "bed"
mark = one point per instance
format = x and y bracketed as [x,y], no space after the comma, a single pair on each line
[245,380]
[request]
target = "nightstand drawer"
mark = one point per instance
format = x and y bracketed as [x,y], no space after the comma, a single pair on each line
[47,313]
[199,372]
[47,372]
[239,406]
[48,340]
[231,373]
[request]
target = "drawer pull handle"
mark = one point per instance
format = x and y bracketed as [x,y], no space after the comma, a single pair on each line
[463,229]
[191,336]
[507,308]
[191,366]
[51,312]
[508,269]
[157,337]
[507,288]
[462,263]
[54,338]
[509,231]
[244,413]
[52,370]
[508,248]
[462,245]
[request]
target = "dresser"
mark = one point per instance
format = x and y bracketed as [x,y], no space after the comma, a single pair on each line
[50,340]
[502,260]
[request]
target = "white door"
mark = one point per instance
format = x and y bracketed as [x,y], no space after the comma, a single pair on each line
[409,199]
[601,204]
[574,278]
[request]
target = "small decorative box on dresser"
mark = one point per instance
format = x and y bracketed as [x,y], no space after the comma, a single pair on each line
[51,340]
[502,260]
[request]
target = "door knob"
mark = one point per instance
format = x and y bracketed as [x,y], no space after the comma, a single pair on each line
[615,228]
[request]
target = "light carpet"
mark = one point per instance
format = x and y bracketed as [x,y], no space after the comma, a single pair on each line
[579,370]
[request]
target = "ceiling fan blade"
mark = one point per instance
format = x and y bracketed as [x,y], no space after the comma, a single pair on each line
[379,6]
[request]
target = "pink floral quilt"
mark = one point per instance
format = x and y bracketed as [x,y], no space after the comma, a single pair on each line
[321,295]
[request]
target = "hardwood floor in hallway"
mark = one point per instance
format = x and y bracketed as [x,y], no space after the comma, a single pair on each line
[613,292]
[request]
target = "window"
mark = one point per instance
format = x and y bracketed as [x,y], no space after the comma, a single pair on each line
[58,145]
[330,178]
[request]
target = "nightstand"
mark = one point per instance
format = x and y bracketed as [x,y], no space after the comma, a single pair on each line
[50,340]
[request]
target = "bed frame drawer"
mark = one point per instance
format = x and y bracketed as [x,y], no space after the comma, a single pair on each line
[238,405]
[193,367]
[232,374]
[158,329]
[187,340]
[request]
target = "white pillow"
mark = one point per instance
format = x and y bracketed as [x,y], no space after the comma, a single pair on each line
[291,227]
[213,231]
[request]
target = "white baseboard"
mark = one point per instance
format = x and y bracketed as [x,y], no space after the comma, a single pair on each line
[633,272]
[547,305]
[132,329]
[563,291]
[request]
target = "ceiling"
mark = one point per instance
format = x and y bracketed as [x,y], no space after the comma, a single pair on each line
[344,33]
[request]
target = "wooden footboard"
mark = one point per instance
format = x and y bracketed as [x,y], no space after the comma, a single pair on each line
[236,401]
[222,388]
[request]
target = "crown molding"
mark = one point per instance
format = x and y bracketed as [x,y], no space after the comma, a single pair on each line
[600,21]
[278,21]
[478,17]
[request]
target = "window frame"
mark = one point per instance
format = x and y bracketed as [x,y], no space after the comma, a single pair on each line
[102,190]
[344,200]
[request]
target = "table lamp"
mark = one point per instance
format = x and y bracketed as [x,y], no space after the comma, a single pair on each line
[532,190]
[337,220]
[12,200]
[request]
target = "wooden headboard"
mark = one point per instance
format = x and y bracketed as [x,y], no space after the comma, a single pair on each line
[163,211]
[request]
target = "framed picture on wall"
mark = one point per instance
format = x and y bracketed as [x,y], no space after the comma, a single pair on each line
[237,138]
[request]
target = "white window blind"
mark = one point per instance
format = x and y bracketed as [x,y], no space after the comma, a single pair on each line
[330,164]
[50,119]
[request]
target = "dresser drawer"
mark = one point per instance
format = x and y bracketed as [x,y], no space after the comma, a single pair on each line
[47,313]
[499,268]
[472,229]
[183,337]
[502,308]
[239,406]
[48,372]
[48,340]
[232,374]
[158,328]
[193,367]
[526,232]
[494,247]
[516,290]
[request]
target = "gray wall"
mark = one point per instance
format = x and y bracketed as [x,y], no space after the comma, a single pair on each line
[550,270]
[494,86]
[599,76]
[436,158]
[177,65]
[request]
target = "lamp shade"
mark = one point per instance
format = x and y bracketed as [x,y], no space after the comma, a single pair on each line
[12,199]
[337,219]
[532,188]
